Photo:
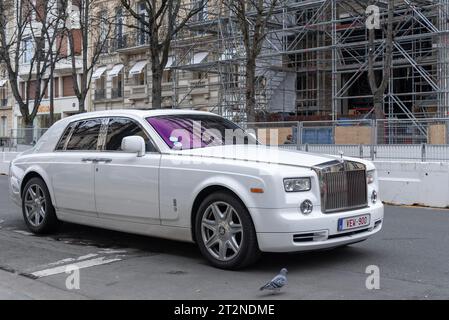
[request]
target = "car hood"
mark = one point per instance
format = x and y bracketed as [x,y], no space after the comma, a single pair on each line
[262,153]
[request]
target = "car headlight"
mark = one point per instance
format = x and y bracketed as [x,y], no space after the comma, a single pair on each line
[370,176]
[297,184]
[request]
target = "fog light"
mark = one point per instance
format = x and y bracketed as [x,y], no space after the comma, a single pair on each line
[374,196]
[306,207]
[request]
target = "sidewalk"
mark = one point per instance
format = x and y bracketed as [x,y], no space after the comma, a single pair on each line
[15,287]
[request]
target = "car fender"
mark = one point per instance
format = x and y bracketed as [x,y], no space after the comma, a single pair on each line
[40,171]
[240,185]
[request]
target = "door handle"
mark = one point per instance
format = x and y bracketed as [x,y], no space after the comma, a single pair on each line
[96,160]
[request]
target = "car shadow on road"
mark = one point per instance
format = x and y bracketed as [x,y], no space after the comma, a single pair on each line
[101,238]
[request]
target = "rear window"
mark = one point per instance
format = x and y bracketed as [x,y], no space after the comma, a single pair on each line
[64,137]
[85,135]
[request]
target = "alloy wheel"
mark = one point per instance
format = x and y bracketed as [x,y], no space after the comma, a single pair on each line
[222,231]
[35,205]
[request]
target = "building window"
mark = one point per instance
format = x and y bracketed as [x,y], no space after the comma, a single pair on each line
[141,34]
[4,127]
[139,79]
[43,120]
[26,10]
[27,49]
[167,76]
[68,86]
[3,96]
[40,48]
[103,31]
[100,88]
[199,75]
[117,85]
[56,87]
[119,20]
[202,6]
[32,87]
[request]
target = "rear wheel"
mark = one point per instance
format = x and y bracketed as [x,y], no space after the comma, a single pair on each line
[225,232]
[38,211]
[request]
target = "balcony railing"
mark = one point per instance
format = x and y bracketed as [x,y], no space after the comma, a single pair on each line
[120,42]
[130,40]
[100,94]
[116,93]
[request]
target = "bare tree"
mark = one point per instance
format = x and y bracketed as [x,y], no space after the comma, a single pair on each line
[378,88]
[27,49]
[162,21]
[88,35]
[252,17]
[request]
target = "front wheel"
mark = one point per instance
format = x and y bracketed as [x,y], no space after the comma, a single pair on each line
[225,232]
[38,211]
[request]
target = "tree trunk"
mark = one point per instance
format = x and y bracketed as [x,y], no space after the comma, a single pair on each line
[28,134]
[81,105]
[156,86]
[52,100]
[250,89]
[380,115]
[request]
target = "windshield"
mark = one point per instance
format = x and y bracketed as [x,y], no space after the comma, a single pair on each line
[192,131]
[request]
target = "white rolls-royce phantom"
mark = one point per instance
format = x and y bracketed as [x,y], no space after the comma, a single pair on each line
[193,176]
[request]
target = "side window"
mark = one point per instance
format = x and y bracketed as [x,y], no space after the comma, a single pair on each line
[119,128]
[85,135]
[63,139]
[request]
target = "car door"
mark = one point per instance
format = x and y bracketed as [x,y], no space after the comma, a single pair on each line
[127,186]
[72,171]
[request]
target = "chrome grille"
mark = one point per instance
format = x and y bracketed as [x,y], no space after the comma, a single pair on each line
[343,185]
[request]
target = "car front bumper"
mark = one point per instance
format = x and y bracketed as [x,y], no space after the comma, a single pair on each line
[287,230]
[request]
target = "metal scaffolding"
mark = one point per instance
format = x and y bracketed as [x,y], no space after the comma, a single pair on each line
[314,61]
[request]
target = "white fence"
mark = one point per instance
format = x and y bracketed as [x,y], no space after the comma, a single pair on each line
[395,152]
[21,139]
[5,159]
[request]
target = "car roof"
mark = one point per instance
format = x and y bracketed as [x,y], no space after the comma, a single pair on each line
[135,113]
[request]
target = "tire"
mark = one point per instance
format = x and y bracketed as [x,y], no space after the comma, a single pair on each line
[222,231]
[38,211]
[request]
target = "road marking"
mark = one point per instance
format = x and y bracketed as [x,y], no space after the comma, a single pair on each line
[80,265]
[87,256]
[70,260]
[111,251]
[25,233]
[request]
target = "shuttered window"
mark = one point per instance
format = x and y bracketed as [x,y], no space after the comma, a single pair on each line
[67,86]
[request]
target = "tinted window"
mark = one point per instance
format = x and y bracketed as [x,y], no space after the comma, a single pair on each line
[85,135]
[64,137]
[198,131]
[119,128]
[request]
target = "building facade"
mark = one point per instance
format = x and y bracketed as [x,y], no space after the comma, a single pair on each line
[6,105]
[33,42]
[313,63]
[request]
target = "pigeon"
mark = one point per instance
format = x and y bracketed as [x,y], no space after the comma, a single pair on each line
[277,282]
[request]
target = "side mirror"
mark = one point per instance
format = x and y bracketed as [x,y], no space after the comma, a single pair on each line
[134,144]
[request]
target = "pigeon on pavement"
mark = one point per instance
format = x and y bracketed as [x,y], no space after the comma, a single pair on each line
[277,282]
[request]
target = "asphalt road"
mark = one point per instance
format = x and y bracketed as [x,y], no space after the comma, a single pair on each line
[412,253]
